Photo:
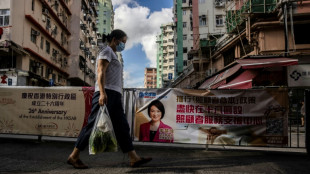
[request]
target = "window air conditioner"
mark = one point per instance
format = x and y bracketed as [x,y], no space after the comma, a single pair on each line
[45,11]
[34,32]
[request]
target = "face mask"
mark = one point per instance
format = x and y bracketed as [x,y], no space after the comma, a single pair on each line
[120,47]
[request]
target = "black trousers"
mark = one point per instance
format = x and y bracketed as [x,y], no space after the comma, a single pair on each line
[118,118]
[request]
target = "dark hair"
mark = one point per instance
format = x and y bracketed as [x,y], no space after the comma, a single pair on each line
[159,105]
[117,34]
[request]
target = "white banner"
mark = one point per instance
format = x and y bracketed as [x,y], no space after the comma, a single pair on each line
[52,111]
[224,117]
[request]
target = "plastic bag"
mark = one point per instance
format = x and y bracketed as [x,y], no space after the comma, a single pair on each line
[102,137]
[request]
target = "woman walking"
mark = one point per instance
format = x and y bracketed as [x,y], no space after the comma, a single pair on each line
[108,91]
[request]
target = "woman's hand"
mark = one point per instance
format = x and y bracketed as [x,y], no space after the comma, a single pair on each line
[103,99]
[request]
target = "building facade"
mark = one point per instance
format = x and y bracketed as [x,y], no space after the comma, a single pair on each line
[47,42]
[207,23]
[105,19]
[183,30]
[150,78]
[34,45]
[83,43]
[165,56]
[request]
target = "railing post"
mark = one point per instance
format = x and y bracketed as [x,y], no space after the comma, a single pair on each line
[307,124]
[40,138]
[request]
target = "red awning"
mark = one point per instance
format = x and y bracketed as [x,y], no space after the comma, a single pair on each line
[269,62]
[208,82]
[243,81]
[221,80]
[215,86]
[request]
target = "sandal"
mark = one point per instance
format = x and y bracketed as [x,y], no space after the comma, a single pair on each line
[140,162]
[78,164]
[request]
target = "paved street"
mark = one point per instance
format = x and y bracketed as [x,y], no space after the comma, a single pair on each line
[49,157]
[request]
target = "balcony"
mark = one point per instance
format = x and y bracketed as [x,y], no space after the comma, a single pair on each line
[48,9]
[237,17]
[46,33]
[219,3]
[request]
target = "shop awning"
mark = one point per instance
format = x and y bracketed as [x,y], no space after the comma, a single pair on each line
[268,62]
[221,80]
[208,82]
[243,81]
[215,86]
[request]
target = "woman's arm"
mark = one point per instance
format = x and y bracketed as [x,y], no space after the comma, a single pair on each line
[101,72]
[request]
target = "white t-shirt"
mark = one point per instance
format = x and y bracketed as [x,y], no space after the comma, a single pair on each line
[114,73]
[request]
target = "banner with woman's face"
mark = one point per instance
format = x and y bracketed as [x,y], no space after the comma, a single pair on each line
[256,117]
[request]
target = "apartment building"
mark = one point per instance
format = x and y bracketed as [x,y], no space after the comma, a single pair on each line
[34,49]
[150,78]
[165,56]
[207,23]
[47,42]
[183,34]
[83,43]
[105,20]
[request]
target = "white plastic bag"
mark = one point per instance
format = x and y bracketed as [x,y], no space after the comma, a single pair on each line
[102,137]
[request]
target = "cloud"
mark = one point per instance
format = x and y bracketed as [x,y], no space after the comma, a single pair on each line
[130,82]
[116,3]
[141,26]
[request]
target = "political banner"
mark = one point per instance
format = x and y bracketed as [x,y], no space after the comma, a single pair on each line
[56,111]
[255,117]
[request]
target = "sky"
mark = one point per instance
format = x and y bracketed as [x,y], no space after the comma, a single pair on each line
[141,20]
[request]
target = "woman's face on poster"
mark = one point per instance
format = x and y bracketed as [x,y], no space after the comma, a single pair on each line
[155,114]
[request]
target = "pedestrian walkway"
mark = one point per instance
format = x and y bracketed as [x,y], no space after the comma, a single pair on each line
[49,157]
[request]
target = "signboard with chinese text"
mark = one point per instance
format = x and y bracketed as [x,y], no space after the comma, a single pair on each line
[256,117]
[57,111]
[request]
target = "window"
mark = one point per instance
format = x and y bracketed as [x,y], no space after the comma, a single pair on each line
[184,62]
[184,1]
[202,1]
[42,42]
[104,22]
[219,20]
[56,5]
[32,5]
[34,35]
[184,37]
[202,20]
[54,30]
[184,12]
[105,13]
[184,24]
[184,49]
[4,17]
[105,4]
[104,30]
[47,46]
[48,23]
